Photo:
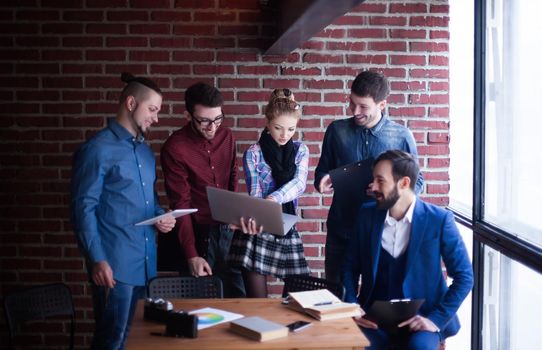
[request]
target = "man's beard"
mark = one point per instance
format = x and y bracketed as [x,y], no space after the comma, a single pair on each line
[387,203]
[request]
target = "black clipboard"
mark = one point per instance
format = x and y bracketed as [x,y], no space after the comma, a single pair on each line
[350,184]
[388,314]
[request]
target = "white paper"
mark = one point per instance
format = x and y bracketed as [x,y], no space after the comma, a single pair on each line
[311,298]
[175,213]
[209,316]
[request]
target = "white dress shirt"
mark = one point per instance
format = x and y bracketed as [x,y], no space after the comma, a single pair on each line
[396,234]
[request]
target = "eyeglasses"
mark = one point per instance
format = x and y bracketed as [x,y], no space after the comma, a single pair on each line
[205,123]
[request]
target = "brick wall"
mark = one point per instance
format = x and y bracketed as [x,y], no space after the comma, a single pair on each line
[60,63]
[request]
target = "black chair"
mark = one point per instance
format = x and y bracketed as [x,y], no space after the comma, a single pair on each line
[185,287]
[302,282]
[38,303]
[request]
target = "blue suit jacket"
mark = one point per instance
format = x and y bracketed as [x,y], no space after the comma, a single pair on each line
[433,235]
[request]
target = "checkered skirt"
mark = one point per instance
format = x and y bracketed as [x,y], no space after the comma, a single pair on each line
[268,254]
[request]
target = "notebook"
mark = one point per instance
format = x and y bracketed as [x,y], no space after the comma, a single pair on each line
[322,305]
[229,207]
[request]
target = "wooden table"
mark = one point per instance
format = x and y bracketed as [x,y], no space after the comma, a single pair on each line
[332,334]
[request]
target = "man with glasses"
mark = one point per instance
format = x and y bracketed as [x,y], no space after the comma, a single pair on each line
[200,154]
[367,134]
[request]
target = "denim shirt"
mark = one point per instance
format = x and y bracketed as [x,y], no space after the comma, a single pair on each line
[112,189]
[345,142]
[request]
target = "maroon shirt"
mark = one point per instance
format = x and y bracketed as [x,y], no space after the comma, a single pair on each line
[191,163]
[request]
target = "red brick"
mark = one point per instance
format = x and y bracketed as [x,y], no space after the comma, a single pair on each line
[429,21]
[347,71]
[106,28]
[240,109]
[439,112]
[152,4]
[237,30]
[61,55]
[300,71]
[374,33]
[408,33]
[127,16]
[239,4]
[281,83]
[370,7]
[20,55]
[212,43]
[345,46]
[428,47]
[236,56]
[336,97]
[151,56]
[429,99]
[238,83]
[83,16]
[38,95]
[434,150]
[116,69]
[323,84]
[408,85]
[438,162]
[407,111]
[215,17]
[40,15]
[429,73]
[436,176]
[387,46]
[434,137]
[105,55]
[367,59]
[291,58]
[437,189]
[317,58]
[170,16]
[313,45]
[387,21]
[314,214]
[213,69]
[438,60]
[251,122]
[349,20]
[253,96]
[189,56]
[439,86]
[18,28]
[200,4]
[37,68]
[170,69]
[126,42]
[408,8]
[401,60]
[331,33]
[81,68]
[258,70]
[194,30]
[86,41]
[62,28]
[393,72]
[439,34]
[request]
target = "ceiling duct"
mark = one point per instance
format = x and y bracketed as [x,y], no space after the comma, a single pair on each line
[300,20]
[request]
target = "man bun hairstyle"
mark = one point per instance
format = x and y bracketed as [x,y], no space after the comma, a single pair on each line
[137,87]
[281,102]
[371,84]
[202,94]
[403,164]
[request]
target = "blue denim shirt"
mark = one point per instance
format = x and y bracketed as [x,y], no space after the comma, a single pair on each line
[345,142]
[112,189]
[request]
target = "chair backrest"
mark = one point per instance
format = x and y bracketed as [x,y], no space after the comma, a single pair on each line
[302,283]
[38,303]
[185,287]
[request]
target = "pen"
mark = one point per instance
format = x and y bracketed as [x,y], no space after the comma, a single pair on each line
[323,303]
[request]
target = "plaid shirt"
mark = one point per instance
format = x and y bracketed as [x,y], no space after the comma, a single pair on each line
[260,182]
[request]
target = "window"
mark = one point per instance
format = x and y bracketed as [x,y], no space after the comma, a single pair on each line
[513,120]
[512,303]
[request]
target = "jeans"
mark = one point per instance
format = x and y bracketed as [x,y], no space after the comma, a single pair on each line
[335,252]
[213,244]
[421,340]
[113,311]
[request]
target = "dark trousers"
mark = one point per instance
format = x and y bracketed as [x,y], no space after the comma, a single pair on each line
[381,340]
[335,252]
[213,244]
[113,311]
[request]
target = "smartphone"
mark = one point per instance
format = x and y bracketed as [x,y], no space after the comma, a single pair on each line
[298,325]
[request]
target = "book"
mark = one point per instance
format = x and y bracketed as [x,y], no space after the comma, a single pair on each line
[258,328]
[323,305]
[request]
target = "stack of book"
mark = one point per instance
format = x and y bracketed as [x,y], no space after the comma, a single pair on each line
[322,305]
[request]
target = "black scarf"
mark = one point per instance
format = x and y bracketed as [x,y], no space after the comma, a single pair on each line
[281,159]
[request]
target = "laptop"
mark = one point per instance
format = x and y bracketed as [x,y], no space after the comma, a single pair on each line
[229,207]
